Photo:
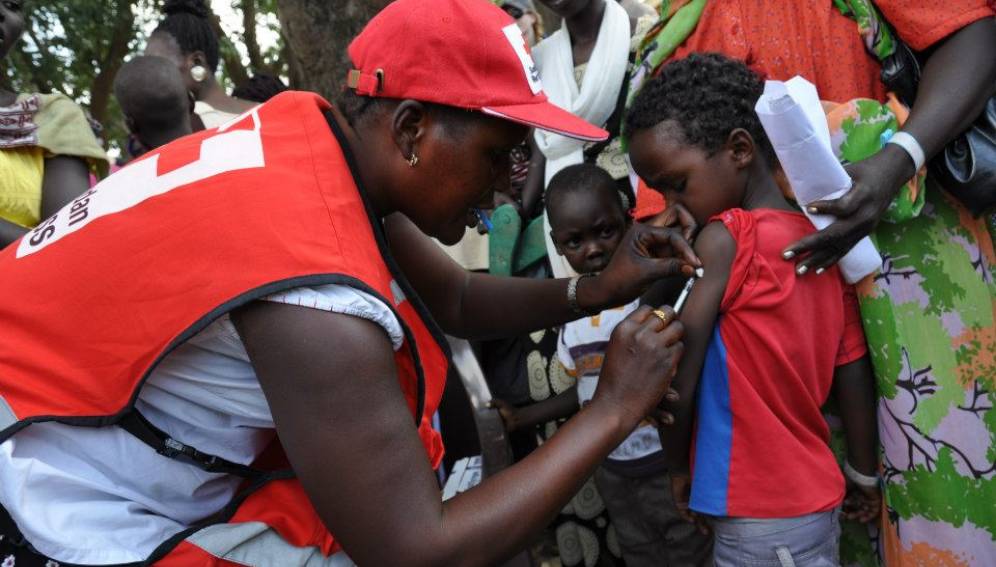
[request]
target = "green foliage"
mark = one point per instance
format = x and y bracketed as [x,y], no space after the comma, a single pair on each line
[76,46]
[66,45]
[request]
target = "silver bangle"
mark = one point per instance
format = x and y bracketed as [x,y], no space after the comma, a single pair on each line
[858,478]
[572,294]
[912,147]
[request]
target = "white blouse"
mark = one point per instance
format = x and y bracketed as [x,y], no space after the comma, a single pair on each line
[99,495]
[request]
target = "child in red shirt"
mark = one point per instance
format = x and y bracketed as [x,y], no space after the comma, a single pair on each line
[764,346]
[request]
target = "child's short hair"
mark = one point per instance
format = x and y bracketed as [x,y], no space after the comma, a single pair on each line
[577,178]
[708,95]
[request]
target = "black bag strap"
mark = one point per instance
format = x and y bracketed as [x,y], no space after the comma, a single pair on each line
[135,423]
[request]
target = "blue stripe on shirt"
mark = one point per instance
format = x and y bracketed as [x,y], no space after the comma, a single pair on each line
[714,435]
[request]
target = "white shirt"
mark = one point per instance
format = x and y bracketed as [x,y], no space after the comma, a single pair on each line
[211,116]
[581,349]
[100,495]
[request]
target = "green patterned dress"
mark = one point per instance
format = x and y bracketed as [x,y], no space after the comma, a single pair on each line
[929,320]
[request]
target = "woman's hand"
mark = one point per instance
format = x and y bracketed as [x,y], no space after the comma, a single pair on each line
[646,254]
[876,181]
[640,361]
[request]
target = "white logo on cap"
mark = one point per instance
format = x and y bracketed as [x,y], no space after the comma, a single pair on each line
[518,42]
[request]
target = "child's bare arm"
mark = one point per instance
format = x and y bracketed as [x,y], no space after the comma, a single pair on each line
[854,390]
[561,406]
[716,248]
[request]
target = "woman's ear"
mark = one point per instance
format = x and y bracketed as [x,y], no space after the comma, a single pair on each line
[409,125]
[741,146]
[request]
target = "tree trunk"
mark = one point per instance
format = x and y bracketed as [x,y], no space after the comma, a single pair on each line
[249,37]
[233,63]
[318,33]
[121,35]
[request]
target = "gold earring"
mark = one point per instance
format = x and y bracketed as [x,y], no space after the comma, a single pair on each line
[413,161]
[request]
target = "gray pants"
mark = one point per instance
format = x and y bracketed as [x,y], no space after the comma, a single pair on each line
[806,541]
[647,525]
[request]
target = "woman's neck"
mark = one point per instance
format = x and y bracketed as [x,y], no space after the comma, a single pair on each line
[215,96]
[762,191]
[583,26]
[373,178]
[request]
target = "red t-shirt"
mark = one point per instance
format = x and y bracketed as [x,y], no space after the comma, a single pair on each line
[783,38]
[761,441]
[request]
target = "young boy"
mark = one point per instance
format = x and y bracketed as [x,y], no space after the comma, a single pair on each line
[764,346]
[156,105]
[588,221]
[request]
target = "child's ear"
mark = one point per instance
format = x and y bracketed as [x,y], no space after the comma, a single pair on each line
[741,147]
[556,245]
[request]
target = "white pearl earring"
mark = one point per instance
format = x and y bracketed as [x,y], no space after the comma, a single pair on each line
[198,73]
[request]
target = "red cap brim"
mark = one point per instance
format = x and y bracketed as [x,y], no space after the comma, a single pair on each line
[549,117]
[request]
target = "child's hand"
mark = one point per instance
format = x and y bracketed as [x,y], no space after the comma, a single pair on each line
[862,504]
[681,492]
[509,414]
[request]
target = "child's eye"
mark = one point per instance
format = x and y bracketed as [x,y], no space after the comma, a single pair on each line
[572,243]
[608,232]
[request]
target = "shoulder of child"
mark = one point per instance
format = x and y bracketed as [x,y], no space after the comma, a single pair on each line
[716,248]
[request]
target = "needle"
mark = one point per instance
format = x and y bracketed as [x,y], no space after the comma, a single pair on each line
[699,272]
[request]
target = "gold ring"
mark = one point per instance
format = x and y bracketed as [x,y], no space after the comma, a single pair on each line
[662,316]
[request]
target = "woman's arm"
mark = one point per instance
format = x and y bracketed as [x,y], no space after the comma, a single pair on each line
[9,232]
[476,306]
[957,81]
[333,390]
[65,178]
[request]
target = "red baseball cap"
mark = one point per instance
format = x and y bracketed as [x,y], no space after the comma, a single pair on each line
[463,53]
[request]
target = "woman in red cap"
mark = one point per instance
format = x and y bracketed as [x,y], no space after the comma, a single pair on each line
[228,352]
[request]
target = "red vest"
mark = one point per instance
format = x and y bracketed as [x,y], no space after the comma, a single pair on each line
[98,294]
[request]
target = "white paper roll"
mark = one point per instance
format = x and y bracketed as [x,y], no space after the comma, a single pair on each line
[796,125]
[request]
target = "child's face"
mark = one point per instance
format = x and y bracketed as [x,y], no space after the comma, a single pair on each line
[587,227]
[687,175]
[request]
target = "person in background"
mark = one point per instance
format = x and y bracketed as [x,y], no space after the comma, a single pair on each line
[600,35]
[260,88]
[47,147]
[185,36]
[531,25]
[525,15]
[156,105]
[588,220]
[637,9]
[764,347]
[930,315]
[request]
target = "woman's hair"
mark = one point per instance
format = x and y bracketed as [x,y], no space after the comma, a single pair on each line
[708,95]
[356,108]
[187,21]
[260,88]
